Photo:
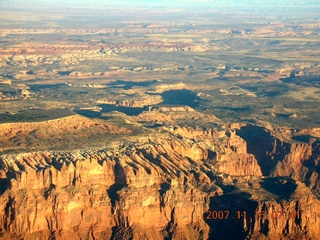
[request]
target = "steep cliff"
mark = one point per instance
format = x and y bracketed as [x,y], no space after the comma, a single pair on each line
[299,160]
[159,187]
[276,208]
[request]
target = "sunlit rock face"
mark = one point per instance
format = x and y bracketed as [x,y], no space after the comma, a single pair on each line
[161,188]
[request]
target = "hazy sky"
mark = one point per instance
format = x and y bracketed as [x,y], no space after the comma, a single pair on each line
[169,3]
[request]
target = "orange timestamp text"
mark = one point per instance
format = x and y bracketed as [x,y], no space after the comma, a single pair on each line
[278,214]
[259,215]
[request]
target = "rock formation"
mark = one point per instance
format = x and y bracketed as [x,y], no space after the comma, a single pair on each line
[279,158]
[57,133]
[159,187]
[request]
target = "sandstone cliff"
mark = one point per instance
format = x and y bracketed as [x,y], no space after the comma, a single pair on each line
[282,158]
[157,187]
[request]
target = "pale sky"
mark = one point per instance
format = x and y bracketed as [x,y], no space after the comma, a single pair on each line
[168,3]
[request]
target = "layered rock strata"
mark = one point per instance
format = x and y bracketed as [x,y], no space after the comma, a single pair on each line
[156,188]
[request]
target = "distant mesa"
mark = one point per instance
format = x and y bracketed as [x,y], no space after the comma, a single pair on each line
[25,93]
[171,109]
[5,82]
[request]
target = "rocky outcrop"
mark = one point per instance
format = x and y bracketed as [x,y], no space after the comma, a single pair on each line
[281,158]
[159,187]
[5,82]
[297,218]
[25,93]
[99,193]
[173,109]
[50,195]
[56,133]
[302,163]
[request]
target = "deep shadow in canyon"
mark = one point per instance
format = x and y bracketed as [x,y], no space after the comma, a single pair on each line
[234,215]
[267,149]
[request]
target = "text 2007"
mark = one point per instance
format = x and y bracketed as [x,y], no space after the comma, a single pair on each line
[217,214]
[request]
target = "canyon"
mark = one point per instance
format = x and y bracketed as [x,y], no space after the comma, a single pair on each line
[162,187]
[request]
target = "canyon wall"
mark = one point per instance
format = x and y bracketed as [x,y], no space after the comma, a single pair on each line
[299,160]
[156,188]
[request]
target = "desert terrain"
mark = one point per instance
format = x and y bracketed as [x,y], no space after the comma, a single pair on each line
[163,122]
